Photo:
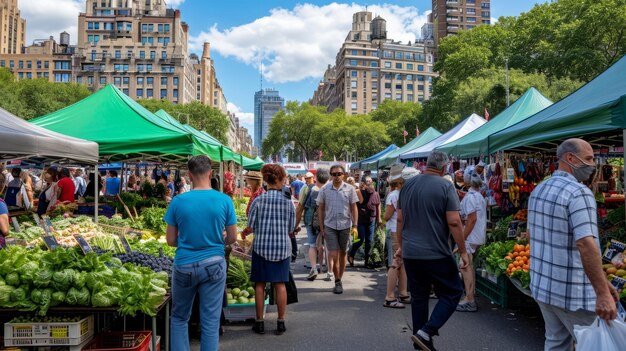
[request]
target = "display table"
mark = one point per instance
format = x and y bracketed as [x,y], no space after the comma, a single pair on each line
[518,285]
[83,309]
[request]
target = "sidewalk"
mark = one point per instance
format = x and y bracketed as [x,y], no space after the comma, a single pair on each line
[356,320]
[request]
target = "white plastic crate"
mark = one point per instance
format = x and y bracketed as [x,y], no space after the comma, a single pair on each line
[49,334]
[242,312]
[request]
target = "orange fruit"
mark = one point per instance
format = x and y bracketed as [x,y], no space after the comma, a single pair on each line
[515,254]
[526,267]
[508,257]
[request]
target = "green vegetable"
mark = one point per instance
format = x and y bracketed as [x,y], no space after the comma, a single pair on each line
[5,295]
[242,299]
[493,255]
[78,297]
[153,219]
[238,273]
[58,297]
[62,280]
[12,279]
[43,277]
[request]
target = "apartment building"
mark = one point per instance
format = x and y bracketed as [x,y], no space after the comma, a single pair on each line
[208,89]
[245,141]
[451,16]
[43,59]
[12,28]
[370,68]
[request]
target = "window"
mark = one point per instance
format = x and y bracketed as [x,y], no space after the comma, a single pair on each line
[374,84]
[398,86]
[175,80]
[46,64]
[144,27]
[471,19]
[125,91]
[90,80]
[20,75]
[409,77]
[409,86]
[160,28]
[147,40]
[117,67]
[38,74]
[420,87]
[374,96]
[108,26]
[117,81]
[387,95]
[387,54]
[374,106]
[163,54]
[125,80]
[486,21]
[142,54]
[408,56]
[387,64]
[60,64]
[353,63]
[163,93]
[409,97]
[373,64]
[140,67]
[398,76]
[354,73]
[353,84]
[152,55]
[29,64]
[399,97]
[484,14]
[387,75]
[3,63]
[420,78]
[118,54]
[374,74]
[398,55]
[29,75]
[139,80]
[409,66]
[166,28]
[62,77]
[387,85]
[354,106]
[353,95]
[149,93]
[89,25]
[355,52]
[484,5]
[471,11]
[103,80]
[125,67]
[149,67]
[163,80]
[140,92]
[420,68]
[150,80]
[398,65]
[175,93]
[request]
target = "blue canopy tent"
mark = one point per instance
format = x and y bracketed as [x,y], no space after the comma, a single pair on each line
[373,158]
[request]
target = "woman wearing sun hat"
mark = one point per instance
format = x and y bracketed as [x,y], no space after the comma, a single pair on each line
[255,182]
[396,275]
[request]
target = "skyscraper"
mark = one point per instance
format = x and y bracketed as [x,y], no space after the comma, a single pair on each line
[450,16]
[267,103]
[12,28]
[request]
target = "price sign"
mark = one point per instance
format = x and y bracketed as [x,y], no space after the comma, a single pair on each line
[16,225]
[48,223]
[84,245]
[513,227]
[125,243]
[51,242]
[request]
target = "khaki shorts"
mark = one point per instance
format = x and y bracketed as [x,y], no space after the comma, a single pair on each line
[337,239]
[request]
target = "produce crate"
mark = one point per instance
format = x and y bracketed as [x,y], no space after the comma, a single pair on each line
[122,341]
[499,290]
[48,334]
[243,312]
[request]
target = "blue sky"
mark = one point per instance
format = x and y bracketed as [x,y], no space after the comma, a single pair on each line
[294,41]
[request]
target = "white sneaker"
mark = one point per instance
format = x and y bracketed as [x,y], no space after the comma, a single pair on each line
[329,277]
[312,275]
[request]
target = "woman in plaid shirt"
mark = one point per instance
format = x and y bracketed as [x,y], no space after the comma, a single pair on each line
[272,218]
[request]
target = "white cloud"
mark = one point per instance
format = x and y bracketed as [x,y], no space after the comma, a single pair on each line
[45,18]
[174,3]
[246,119]
[297,44]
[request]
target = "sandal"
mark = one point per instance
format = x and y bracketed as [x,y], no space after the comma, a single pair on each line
[405,299]
[351,261]
[393,304]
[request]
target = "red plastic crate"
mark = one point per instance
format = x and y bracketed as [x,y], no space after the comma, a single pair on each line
[121,341]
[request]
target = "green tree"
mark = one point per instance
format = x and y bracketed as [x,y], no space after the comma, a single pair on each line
[397,116]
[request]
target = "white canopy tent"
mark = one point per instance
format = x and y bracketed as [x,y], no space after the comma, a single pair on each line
[460,130]
[25,141]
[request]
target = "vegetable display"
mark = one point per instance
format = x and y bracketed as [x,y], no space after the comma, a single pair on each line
[519,264]
[493,255]
[36,280]
[153,219]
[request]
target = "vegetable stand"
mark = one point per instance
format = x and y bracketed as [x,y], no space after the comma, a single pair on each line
[164,306]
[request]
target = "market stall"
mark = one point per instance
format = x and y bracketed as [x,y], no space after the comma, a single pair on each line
[392,157]
[373,158]
[461,129]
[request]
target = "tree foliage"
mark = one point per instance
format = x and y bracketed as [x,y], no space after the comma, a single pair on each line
[30,98]
[197,115]
[397,117]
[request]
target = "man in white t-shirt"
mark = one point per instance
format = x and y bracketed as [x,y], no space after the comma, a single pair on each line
[474,216]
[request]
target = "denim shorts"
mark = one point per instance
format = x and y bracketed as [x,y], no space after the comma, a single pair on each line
[311,235]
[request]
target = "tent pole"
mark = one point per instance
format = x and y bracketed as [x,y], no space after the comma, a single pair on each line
[96,192]
[624,149]
[222,176]
[241,178]
[122,178]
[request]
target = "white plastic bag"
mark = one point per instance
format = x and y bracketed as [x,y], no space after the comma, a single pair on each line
[601,336]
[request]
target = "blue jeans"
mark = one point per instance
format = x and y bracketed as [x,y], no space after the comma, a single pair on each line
[366,233]
[443,274]
[207,279]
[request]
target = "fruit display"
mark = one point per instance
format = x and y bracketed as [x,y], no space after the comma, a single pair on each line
[493,255]
[519,264]
[239,296]
[521,215]
[615,265]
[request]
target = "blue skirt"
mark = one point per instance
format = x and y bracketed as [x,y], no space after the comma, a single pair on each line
[264,271]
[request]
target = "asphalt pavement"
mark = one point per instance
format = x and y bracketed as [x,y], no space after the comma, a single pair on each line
[357,320]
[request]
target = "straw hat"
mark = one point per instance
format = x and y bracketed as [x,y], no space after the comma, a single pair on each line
[396,171]
[254,175]
[409,172]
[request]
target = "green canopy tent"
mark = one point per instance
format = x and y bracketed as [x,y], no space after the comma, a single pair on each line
[252,164]
[373,158]
[596,110]
[392,157]
[476,143]
[124,130]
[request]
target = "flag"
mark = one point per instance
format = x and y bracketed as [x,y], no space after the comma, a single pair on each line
[404,134]
[486,114]
[417,131]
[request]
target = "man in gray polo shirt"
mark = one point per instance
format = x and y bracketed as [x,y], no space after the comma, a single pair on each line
[338,212]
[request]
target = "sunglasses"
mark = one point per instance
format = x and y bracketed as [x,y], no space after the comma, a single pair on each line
[338,174]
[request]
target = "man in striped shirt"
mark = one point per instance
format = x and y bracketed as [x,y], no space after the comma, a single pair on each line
[566,274]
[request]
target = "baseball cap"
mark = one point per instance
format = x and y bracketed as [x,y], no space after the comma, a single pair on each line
[308,175]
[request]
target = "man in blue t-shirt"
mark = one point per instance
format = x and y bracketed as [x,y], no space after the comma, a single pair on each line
[296,186]
[195,224]
[112,184]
